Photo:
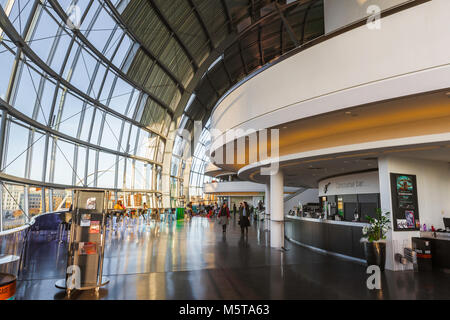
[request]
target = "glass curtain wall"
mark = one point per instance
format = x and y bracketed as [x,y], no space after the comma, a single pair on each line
[71,116]
[199,161]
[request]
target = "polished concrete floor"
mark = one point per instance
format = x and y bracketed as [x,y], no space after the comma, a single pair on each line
[195,260]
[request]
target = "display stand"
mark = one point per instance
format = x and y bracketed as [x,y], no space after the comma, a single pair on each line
[87,243]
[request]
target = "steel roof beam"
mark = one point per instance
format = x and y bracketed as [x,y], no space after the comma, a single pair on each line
[121,22]
[288,26]
[305,18]
[242,57]
[15,37]
[212,85]
[202,23]
[229,17]
[62,14]
[261,51]
[174,33]
[227,71]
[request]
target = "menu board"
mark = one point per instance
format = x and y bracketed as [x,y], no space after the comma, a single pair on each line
[404,202]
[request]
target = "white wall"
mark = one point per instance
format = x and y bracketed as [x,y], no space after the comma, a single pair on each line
[433,192]
[408,55]
[308,196]
[339,13]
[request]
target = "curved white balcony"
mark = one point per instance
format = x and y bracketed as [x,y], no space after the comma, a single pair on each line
[408,55]
[239,188]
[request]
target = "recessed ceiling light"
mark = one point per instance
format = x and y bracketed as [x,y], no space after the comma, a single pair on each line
[285,127]
[351,114]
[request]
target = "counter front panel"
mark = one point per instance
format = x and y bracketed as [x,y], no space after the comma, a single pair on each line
[335,237]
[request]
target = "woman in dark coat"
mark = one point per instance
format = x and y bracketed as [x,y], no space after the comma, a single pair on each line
[244,221]
[224,215]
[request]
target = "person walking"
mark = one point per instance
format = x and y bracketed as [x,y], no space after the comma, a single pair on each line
[216,209]
[234,211]
[224,215]
[244,220]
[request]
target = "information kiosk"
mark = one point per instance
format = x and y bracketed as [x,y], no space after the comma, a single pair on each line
[86,243]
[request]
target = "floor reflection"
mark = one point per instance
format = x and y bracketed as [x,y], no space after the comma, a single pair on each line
[196,260]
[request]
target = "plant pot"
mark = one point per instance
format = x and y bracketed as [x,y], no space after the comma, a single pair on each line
[375,254]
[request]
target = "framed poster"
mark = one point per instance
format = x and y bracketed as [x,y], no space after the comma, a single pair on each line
[87,248]
[405,206]
[95,227]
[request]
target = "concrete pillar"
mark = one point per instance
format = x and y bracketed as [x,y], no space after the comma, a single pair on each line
[277,210]
[267,200]
[267,208]
[165,173]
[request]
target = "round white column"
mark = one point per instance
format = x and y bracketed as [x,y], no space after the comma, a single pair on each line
[277,210]
[267,200]
[267,207]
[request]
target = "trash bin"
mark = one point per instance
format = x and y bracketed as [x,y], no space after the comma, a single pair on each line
[423,249]
[7,286]
[180,213]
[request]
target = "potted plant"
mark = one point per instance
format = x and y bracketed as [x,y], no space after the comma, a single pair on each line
[375,239]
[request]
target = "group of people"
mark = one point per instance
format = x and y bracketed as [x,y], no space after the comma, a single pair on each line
[121,211]
[244,216]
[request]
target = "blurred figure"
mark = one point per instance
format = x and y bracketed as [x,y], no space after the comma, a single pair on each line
[234,210]
[144,210]
[244,220]
[190,211]
[119,205]
[224,215]
[155,214]
[216,209]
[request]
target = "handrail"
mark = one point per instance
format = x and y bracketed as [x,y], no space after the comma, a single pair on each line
[29,223]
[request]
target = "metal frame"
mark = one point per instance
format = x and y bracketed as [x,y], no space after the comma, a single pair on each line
[26,58]
[132,35]
[175,35]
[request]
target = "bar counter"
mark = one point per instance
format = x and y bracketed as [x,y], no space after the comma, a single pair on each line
[440,248]
[340,238]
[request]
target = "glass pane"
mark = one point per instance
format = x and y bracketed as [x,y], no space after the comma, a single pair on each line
[38,153]
[13,206]
[34,201]
[106,170]
[16,151]
[64,163]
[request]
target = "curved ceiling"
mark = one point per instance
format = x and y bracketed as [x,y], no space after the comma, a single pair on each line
[192,52]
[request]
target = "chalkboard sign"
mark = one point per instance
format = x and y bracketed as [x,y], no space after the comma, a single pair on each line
[404,202]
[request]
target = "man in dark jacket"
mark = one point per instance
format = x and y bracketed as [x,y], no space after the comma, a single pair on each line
[244,213]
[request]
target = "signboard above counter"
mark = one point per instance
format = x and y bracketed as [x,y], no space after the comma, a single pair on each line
[359,183]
